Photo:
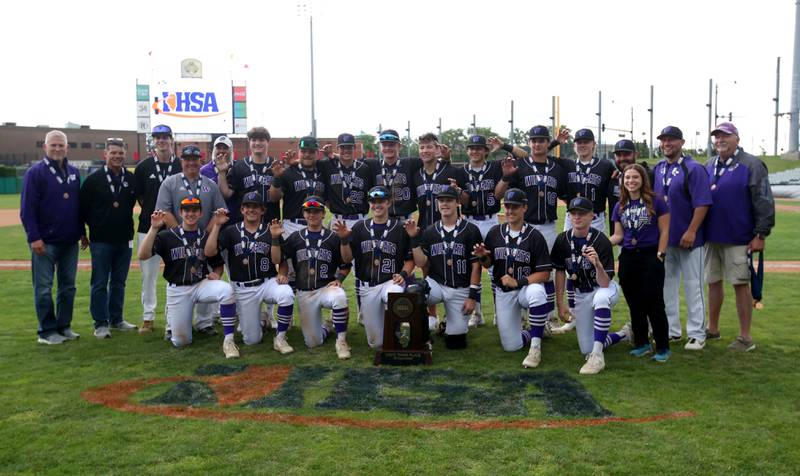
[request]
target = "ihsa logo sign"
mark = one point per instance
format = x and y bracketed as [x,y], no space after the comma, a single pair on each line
[192,104]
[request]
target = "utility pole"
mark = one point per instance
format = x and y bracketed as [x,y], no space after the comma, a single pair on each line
[632,138]
[440,128]
[511,121]
[710,111]
[313,116]
[650,145]
[474,126]
[794,122]
[777,101]
[600,120]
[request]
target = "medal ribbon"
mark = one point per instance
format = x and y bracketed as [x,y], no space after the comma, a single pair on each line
[347,183]
[721,168]
[192,193]
[512,246]
[163,175]
[111,181]
[191,252]
[668,170]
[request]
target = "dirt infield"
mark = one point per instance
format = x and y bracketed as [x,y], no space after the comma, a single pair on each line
[9,218]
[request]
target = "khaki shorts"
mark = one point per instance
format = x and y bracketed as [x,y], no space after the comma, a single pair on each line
[726,261]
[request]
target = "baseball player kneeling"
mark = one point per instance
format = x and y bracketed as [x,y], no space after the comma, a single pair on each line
[382,254]
[318,260]
[454,273]
[521,264]
[584,254]
[186,270]
[253,277]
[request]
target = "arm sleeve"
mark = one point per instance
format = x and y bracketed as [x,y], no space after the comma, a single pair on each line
[606,256]
[29,203]
[761,198]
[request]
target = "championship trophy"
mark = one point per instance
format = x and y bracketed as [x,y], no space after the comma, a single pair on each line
[406,337]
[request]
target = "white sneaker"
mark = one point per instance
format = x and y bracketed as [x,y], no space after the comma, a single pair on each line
[53,339]
[567,327]
[594,364]
[534,358]
[124,326]
[69,334]
[102,332]
[694,344]
[342,349]
[230,349]
[475,319]
[279,343]
[626,332]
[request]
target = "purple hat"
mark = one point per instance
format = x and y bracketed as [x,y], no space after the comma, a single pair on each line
[726,128]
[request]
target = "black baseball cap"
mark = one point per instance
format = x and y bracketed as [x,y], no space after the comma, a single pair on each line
[539,131]
[671,131]
[346,140]
[447,191]
[389,135]
[314,202]
[625,145]
[308,142]
[191,152]
[477,141]
[580,203]
[378,192]
[162,129]
[253,197]
[584,134]
[515,196]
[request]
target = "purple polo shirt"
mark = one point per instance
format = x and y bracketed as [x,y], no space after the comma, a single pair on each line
[638,223]
[210,171]
[669,180]
[44,212]
[730,219]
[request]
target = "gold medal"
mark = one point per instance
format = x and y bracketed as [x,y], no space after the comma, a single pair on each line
[573,277]
[312,271]
[66,195]
[347,200]
[116,204]
[377,262]
[510,271]
[541,194]
[428,202]
[450,262]
[474,203]
[634,241]
[713,186]
[245,261]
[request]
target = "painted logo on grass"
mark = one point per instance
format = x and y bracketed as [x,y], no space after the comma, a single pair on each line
[377,397]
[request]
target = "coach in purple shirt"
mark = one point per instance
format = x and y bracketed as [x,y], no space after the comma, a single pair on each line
[221,163]
[738,222]
[684,185]
[50,215]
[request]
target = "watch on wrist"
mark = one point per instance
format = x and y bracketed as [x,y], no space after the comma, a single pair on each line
[661,255]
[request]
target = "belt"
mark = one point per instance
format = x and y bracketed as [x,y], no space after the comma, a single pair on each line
[299,221]
[482,217]
[177,285]
[249,284]
[349,217]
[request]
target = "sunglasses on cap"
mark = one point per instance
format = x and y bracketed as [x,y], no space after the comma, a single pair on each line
[378,194]
[190,202]
[312,203]
[388,137]
[190,152]
[115,141]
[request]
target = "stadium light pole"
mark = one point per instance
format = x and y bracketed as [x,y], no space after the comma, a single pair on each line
[650,145]
[777,103]
[794,111]
[511,121]
[710,112]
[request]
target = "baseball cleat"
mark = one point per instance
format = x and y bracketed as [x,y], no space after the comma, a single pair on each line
[626,333]
[279,343]
[146,327]
[342,350]
[533,359]
[563,329]
[475,319]
[230,349]
[594,364]
[433,323]
[694,344]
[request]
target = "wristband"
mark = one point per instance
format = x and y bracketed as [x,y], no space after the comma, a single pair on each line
[474,293]
[344,241]
[340,276]
[508,148]
[415,242]
[505,179]
[277,182]
[484,258]
[404,274]
[276,241]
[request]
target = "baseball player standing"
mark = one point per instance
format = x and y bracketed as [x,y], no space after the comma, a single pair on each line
[254,279]
[187,272]
[383,260]
[518,253]
[435,174]
[685,186]
[583,255]
[321,261]
[454,274]
[294,184]
[395,174]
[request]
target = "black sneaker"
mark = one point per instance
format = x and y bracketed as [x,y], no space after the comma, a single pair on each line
[208,331]
[674,338]
[168,335]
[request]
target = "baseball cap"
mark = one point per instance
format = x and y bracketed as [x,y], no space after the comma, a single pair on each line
[671,131]
[539,131]
[252,197]
[389,135]
[580,203]
[378,192]
[162,129]
[515,196]
[225,140]
[258,133]
[726,128]
[584,134]
[308,142]
[191,152]
[345,140]
[190,202]
[477,141]
[313,202]
[625,145]
[447,191]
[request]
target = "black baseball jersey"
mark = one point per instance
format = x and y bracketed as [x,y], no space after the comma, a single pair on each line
[297,184]
[480,185]
[185,262]
[148,175]
[248,253]
[543,183]
[380,251]
[592,180]
[449,253]
[428,185]
[567,255]
[398,179]
[319,251]
[347,187]
[516,254]
[248,176]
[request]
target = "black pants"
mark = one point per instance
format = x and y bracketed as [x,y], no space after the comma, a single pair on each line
[641,276]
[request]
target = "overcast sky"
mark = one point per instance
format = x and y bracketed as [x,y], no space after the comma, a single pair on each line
[380,62]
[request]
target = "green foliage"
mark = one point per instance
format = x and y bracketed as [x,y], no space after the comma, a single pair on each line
[370,143]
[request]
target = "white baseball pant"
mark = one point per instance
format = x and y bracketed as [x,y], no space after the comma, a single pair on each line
[248,305]
[689,263]
[507,307]
[150,269]
[484,225]
[583,313]
[373,307]
[453,299]
[181,301]
[310,305]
